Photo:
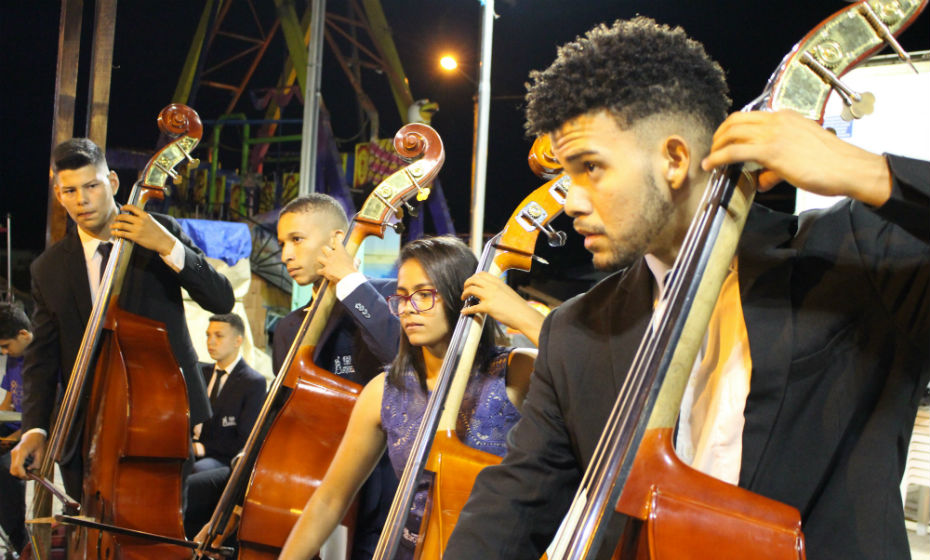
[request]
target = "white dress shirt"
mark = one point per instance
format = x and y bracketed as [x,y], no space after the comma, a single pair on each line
[711,420]
[92,258]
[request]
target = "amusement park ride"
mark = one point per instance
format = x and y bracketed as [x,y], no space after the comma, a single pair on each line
[250,160]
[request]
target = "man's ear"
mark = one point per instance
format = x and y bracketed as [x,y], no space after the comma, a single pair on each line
[676,155]
[114,180]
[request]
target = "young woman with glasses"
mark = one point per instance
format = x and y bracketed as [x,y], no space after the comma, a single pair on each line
[429,299]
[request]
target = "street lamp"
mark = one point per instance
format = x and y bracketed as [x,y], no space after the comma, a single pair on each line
[448,62]
[479,157]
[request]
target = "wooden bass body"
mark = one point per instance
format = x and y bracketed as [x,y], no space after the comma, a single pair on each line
[676,512]
[136,443]
[294,456]
[454,466]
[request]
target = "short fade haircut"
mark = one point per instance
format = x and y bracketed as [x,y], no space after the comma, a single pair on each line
[232,320]
[633,69]
[12,320]
[318,202]
[77,153]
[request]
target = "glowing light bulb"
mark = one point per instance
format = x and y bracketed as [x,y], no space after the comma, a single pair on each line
[448,63]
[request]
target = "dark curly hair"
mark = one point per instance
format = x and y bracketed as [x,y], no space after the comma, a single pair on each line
[12,320]
[633,69]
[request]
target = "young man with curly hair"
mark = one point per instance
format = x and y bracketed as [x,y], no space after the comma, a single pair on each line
[810,401]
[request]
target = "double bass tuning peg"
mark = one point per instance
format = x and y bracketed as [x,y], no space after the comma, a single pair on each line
[826,55]
[881,29]
[192,162]
[856,105]
[536,215]
[412,211]
[554,237]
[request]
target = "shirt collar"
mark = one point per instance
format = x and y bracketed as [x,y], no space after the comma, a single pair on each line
[232,366]
[659,272]
[90,243]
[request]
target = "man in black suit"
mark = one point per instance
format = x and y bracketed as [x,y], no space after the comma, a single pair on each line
[360,337]
[812,401]
[65,278]
[236,395]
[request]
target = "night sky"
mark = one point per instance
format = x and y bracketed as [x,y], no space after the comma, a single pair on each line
[747,38]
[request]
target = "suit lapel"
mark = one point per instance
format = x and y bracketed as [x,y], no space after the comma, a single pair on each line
[765,265]
[236,372]
[76,269]
[628,315]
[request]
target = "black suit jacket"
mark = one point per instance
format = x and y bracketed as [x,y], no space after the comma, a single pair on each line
[361,326]
[151,289]
[234,412]
[837,307]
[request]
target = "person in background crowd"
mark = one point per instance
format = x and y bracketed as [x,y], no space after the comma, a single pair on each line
[236,395]
[15,337]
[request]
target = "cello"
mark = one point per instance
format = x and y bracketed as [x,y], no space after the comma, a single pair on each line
[272,482]
[437,448]
[135,429]
[671,510]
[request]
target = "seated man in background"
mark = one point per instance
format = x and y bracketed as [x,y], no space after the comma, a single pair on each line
[236,395]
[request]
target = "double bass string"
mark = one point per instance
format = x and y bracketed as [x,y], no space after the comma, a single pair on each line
[627,420]
[387,545]
[234,488]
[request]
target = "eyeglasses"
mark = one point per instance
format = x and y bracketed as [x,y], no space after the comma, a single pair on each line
[420,300]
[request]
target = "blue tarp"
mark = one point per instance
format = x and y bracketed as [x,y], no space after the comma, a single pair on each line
[227,241]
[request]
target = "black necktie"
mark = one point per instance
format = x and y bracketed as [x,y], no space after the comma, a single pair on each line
[217,381]
[104,250]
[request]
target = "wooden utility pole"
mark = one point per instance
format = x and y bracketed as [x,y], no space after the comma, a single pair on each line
[66,76]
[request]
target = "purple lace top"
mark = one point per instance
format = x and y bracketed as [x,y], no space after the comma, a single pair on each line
[484,419]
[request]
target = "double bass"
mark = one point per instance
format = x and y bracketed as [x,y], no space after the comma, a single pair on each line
[437,448]
[271,480]
[133,398]
[670,509]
